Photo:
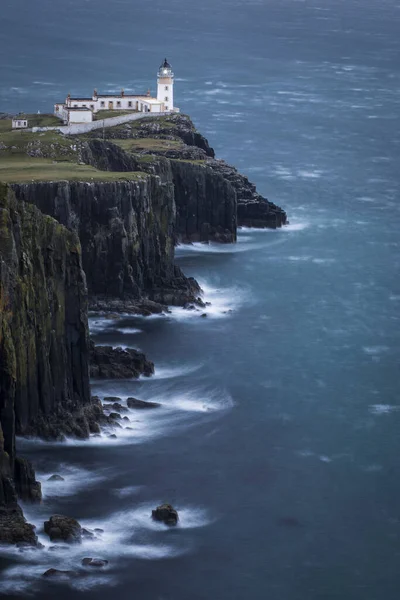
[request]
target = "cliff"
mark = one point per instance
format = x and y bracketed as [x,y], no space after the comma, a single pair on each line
[127,233]
[179,140]
[44,383]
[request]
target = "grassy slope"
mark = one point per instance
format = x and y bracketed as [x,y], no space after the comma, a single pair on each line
[136,145]
[23,169]
[17,166]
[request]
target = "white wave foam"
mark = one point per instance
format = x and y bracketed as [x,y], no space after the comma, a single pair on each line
[171,372]
[118,543]
[375,350]
[324,458]
[98,324]
[383,409]
[43,83]
[299,258]
[316,174]
[130,330]
[299,226]
[75,479]
[200,401]
[323,261]
[126,492]
[223,301]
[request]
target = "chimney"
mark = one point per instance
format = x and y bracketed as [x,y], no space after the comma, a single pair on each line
[122,93]
[148,93]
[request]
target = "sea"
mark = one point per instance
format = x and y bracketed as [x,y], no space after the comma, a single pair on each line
[278,435]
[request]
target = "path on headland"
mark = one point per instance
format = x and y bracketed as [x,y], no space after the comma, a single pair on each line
[110,122]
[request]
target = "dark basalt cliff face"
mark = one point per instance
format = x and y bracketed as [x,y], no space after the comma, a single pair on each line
[44,383]
[127,233]
[252,209]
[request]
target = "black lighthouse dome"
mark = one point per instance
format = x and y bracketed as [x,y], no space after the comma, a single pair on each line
[165,69]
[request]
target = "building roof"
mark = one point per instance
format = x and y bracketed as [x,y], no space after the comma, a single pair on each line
[80,99]
[120,95]
[148,100]
[20,118]
[165,65]
[79,108]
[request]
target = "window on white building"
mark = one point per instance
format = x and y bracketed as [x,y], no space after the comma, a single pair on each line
[130,104]
[166,88]
[166,107]
[118,103]
[166,98]
[102,103]
[92,106]
[75,106]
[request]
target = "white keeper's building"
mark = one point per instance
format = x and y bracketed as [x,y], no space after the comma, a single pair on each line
[81,110]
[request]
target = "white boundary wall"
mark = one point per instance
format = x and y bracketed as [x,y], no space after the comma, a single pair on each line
[111,122]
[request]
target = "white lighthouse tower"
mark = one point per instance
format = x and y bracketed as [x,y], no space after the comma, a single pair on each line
[165,86]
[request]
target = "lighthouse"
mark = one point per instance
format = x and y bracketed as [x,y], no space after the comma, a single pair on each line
[165,86]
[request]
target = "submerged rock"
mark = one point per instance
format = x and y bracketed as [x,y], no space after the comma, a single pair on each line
[56,477]
[165,513]
[86,533]
[57,573]
[94,562]
[67,529]
[135,403]
[115,415]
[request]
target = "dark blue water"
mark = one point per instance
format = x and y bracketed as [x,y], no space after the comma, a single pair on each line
[278,437]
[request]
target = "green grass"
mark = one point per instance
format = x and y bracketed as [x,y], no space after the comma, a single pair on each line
[137,144]
[33,121]
[187,160]
[106,114]
[50,143]
[146,158]
[45,120]
[20,138]
[22,169]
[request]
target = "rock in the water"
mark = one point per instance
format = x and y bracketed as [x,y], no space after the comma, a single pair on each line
[165,513]
[57,573]
[116,406]
[13,526]
[115,415]
[86,533]
[56,477]
[107,362]
[98,530]
[135,403]
[67,529]
[113,436]
[94,562]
